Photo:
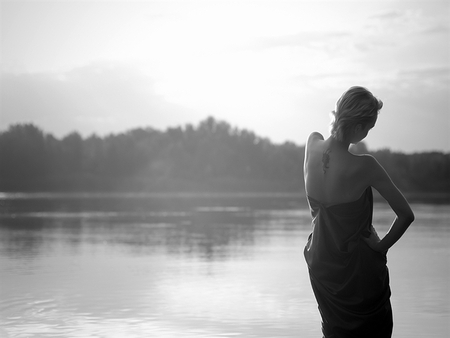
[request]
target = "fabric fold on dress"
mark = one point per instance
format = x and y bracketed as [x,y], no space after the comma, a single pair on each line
[349,279]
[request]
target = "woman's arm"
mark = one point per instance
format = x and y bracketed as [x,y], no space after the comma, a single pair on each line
[311,139]
[380,180]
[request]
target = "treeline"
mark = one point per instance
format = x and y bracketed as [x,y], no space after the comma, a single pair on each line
[212,156]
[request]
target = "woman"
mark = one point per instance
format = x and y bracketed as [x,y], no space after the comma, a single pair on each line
[345,256]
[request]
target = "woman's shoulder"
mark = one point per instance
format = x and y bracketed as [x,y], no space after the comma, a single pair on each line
[367,161]
[313,139]
[366,166]
[315,136]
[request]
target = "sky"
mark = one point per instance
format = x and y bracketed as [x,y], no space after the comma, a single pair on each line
[276,68]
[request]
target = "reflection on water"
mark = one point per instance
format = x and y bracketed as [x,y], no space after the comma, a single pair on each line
[191,266]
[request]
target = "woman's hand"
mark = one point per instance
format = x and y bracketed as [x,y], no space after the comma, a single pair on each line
[373,240]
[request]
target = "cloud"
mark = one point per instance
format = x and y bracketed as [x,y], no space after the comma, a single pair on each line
[408,23]
[99,98]
[303,39]
[389,15]
[436,29]
[434,77]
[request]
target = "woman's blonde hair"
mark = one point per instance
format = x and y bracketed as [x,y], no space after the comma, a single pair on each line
[356,106]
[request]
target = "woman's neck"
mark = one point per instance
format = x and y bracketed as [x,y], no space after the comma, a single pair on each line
[336,144]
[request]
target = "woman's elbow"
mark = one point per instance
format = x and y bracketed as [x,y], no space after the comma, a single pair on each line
[408,217]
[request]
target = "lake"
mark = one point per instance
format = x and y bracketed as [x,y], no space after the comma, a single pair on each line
[193,265]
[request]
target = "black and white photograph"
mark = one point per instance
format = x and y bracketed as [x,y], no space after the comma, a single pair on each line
[224,168]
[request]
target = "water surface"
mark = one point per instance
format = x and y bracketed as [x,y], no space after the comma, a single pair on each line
[130,265]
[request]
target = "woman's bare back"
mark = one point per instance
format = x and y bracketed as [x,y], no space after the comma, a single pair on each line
[332,174]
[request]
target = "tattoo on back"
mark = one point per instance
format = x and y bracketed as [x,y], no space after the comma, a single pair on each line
[326,160]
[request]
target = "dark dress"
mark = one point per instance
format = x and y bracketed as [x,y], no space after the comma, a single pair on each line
[349,279]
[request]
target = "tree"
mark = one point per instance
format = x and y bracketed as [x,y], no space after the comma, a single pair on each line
[211,155]
[23,157]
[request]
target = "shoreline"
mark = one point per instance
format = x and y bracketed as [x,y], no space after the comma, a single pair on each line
[412,197]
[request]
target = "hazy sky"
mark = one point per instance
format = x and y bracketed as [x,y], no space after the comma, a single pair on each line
[274,67]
